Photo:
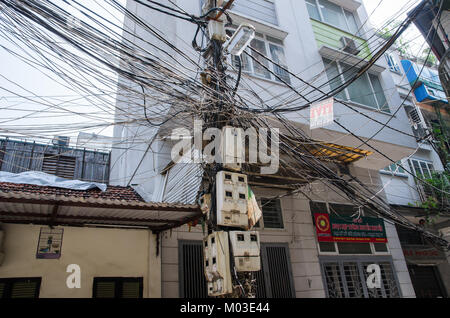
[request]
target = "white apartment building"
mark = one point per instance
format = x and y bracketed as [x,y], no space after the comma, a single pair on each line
[308,37]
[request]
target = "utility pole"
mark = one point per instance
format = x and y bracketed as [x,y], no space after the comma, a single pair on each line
[231,251]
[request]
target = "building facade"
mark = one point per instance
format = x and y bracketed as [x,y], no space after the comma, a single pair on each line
[425,102]
[316,39]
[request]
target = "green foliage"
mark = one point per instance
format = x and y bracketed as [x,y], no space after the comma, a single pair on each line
[428,57]
[434,205]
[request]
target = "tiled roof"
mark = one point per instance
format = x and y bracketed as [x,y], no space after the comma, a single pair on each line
[115,206]
[111,193]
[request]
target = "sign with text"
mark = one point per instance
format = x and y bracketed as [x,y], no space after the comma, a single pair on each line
[321,113]
[343,229]
[423,254]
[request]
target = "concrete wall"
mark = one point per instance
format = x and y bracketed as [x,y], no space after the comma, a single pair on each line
[100,252]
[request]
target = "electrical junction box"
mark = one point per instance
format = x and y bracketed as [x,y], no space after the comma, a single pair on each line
[232,149]
[217,264]
[245,246]
[216,30]
[231,196]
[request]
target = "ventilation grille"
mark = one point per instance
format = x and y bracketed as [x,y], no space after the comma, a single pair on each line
[61,166]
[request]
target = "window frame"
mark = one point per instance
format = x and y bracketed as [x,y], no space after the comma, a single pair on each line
[118,288]
[388,170]
[9,282]
[265,38]
[392,63]
[386,109]
[343,10]
[373,251]
[245,15]
[360,261]
[261,226]
[419,161]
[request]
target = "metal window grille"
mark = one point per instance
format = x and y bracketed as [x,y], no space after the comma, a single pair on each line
[272,214]
[347,278]
[61,166]
[192,272]
[274,280]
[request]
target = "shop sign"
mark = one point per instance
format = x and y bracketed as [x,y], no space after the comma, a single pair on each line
[420,254]
[343,229]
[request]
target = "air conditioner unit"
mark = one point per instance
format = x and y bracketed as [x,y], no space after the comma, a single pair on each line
[349,46]
[417,123]
[62,141]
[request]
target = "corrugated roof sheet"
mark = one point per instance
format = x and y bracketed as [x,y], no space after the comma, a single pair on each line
[115,206]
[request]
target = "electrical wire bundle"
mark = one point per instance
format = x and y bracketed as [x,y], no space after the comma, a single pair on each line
[145,83]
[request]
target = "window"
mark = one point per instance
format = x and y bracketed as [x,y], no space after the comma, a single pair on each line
[392,62]
[274,280]
[408,236]
[366,90]
[328,12]
[345,248]
[20,287]
[395,169]
[422,169]
[191,270]
[117,287]
[263,10]
[346,278]
[264,46]
[272,215]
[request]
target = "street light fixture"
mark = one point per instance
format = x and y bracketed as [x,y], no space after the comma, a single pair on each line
[240,39]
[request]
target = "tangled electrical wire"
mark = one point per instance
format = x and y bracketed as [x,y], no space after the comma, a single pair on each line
[148,80]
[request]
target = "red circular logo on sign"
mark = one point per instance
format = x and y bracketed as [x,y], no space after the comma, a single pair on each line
[323,224]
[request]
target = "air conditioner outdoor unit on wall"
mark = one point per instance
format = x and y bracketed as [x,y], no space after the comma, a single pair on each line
[349,46]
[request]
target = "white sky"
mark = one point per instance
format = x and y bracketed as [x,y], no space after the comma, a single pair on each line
[33,80]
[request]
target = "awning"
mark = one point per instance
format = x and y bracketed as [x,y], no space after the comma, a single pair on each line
[117,206]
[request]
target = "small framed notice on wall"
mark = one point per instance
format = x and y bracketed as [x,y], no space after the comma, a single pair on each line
[50,243]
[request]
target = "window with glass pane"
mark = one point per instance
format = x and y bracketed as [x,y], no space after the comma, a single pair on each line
[389,281]
[353,280]
[353,248]
[379,94]
[348,279]
[333,279]
[272,215]
[333,14]
[360,92]
[312,9]
[278,57]
[260,47]
[351,22]
[334,77]
[366,90]
[342,209]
